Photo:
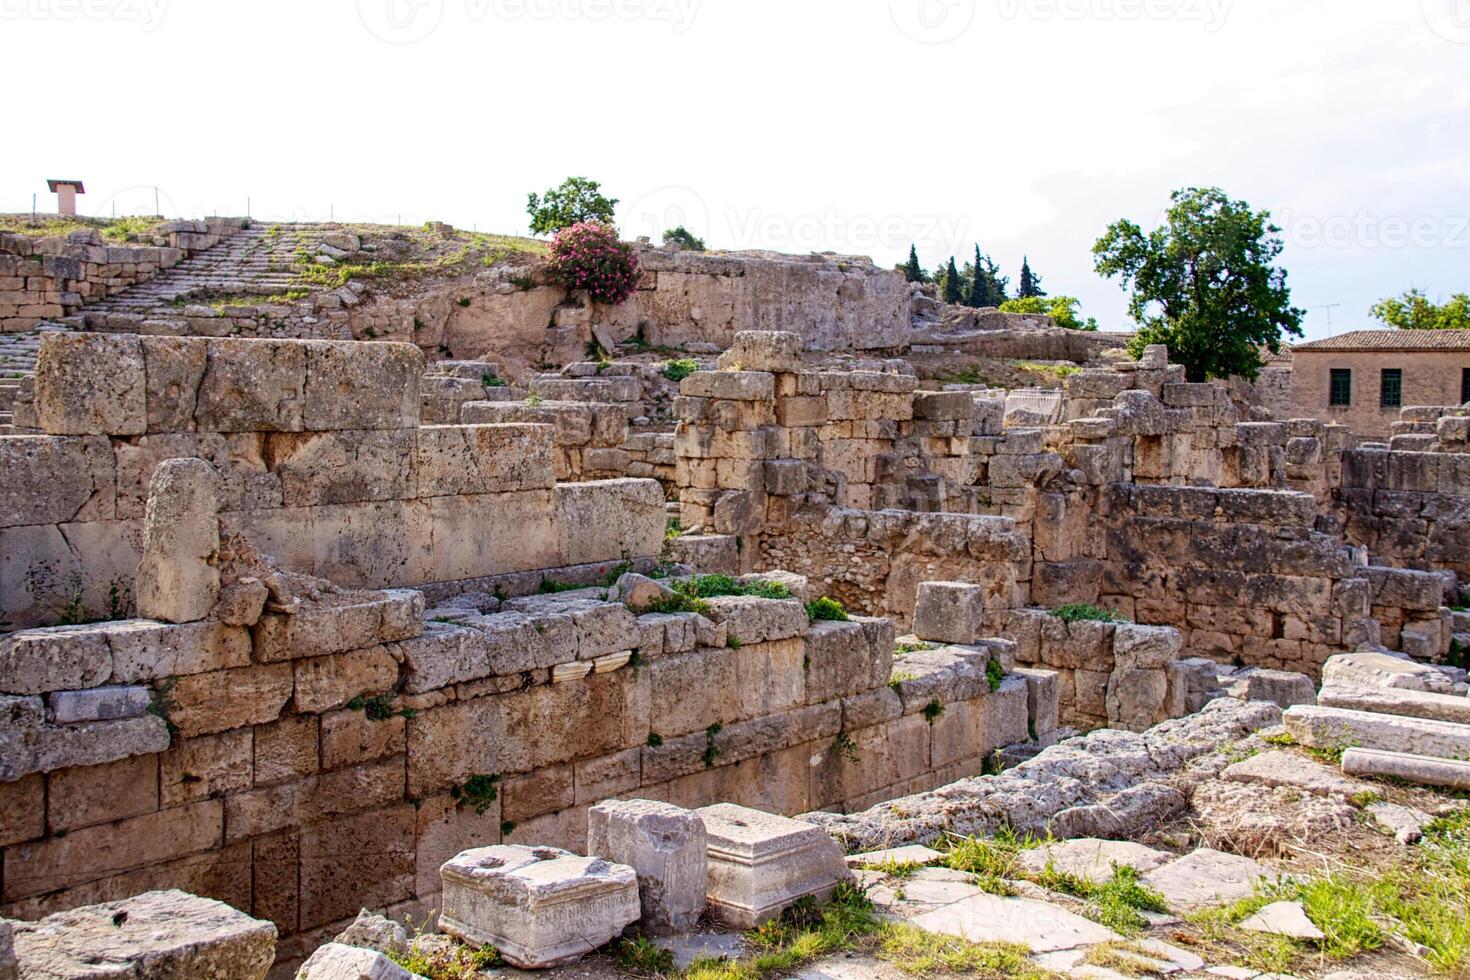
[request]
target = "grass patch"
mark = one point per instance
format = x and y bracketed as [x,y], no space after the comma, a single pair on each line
[680,368]
[447,963]
[1086,612]
[1118,903]
[1049,370]
[643,957]
[825,610]
[994,674]
[925,954]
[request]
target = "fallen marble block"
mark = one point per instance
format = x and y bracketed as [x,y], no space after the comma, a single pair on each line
[1450,773]
[169,935]
[1340,728]
[665,846]
[760,863]
[539,906]
[335,961]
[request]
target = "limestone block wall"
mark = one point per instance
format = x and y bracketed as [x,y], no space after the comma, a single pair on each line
[333,748]
[48,278]
[321,458]
[1410,509]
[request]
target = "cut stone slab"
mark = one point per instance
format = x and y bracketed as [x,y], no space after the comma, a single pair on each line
[949,612]
[665,846]
[1395,701]
[1382,670]
[1281,687]
[1285,769]
[1406,824]
[1340,728]
[760,863]
[540,906]
[169,935]
[1093,859]
[1154,958]
[1450,773]
[927,890]
[1040,926]
[177,580]
[911,854]
[335,961]
[1206,877]
[1283,919]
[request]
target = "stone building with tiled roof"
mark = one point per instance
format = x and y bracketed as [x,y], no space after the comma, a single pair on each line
[1363,378]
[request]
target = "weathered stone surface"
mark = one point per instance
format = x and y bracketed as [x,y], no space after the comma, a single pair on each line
[177,581]
[1339,728]
[1406,824]
[335,961]
[1449,773]
[760,863]
[1092,859]
[665,845]
[1382,670]
[28,743]
[1283,919]
[754,620]
[949,612]
[54,659]
[897,856]
[90,384]
[539,906]
[55,479]
[98,704]
[1281,687]
[1259,821]
[168,935]
[361,386]
[1288,769]
[1206,877]
[1039,926]
[609,520]
[763,350]
[143,650]
[1397,701]
[252,386]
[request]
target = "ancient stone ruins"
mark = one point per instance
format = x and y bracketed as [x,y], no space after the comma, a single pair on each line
[368,601]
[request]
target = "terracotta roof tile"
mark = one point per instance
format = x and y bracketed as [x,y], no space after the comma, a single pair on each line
[1393,340]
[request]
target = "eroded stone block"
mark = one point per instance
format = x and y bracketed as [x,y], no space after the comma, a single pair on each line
[760,863]
[949,612]
[539,906]
[665,845]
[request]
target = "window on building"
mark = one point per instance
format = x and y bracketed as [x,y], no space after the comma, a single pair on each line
[1391,389]
[1340,391]
[1464,385]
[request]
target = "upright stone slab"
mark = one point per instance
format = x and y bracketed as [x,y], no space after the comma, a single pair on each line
[949,612]
[176,581]
[540,906]
[167,935]
[760,863]
[665,845]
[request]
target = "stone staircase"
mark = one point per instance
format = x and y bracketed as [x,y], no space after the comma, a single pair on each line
[1390,717]
[17,363]
[245,286]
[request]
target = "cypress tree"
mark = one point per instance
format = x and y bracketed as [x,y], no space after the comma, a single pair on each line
[912,271]
[978,290]
[953,285]
[1030,282]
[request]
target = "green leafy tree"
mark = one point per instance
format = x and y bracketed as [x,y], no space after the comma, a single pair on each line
[1030,284]
[684,238]
[954,287]
[1415,311]
[575,201]
[1062,309]
[1206,283]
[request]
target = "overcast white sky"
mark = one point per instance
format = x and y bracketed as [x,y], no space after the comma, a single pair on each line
[849,125]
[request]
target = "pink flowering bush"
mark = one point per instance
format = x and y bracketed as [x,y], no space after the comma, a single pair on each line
[588,256]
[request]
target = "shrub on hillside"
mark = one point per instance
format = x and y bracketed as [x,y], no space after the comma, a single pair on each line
[588,256]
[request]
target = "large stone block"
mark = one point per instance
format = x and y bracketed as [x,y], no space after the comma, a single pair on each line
[352,385]
[755,620]
[344,467]
[169,935]
[252,386]
[478,459]
[90,384]
[665,846]
[55,658]
[731,385]
[539,906]
[777,351]
[760,863]
[608,520]
[55,480]
[1382,670]
[949,612]
[177,579]
[1339,728]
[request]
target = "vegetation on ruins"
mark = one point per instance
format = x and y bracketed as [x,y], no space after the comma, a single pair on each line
[1416,311]
[443,961]
[995,674]
[1062,309]
[684,238]
[578,200]
[1206,283]
[912,270]
[588,256]
[1086,612]
[826,610]
[1030,285]
[680,368]
[479,791]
